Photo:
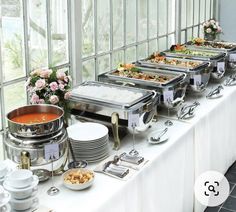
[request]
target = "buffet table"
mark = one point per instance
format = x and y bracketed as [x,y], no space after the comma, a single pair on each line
[166,181]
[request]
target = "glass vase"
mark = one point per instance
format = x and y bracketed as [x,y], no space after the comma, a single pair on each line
[210,37]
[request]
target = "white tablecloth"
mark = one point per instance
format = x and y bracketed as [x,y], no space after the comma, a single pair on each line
[165,183]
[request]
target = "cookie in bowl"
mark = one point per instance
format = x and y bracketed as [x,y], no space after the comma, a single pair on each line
[78,179]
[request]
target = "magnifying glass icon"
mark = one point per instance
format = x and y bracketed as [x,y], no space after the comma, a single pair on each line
[211,188]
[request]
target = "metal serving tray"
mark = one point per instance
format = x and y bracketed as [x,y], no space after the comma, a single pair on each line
[198,76]
[174,77]
[208,45]
[216,55]
[147,63]
[146,94]
[176,89]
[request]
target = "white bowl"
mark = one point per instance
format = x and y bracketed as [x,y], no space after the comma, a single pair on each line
[22,193]
[4,197]
[3,169]
[20,178]
[78,186]
[24,204]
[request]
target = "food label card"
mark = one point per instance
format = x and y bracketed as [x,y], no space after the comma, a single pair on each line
[133,120]
[51,151]
[220,66]
[197,79]
[168,96]
[232,57]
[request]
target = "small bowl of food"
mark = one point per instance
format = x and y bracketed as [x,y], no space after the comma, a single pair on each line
[78,179]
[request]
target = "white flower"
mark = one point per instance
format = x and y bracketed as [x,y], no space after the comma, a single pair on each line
[54,99]
[208,30]
[212,22]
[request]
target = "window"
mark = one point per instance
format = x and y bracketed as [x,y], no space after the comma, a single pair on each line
[193,14]
[42,33]
[120,31]
[33,34]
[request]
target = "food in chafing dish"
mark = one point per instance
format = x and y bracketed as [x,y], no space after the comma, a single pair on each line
[79,176]
[78,179]
[108,93]
[130,71]
[218,45]
[160,59]
[182,49]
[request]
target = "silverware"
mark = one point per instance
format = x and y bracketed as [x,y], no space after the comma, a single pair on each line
[187,110]
[215,92]
[159,136]
[131,159]
[231,80]
[113,169]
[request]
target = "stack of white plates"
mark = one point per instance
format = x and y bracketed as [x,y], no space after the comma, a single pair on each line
[89,141]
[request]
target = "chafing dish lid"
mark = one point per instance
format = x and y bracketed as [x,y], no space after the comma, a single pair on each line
[110,95]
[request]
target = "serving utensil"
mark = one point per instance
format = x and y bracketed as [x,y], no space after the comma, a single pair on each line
[215,92]
[187,111]
[113,169]
[159,136]
[231,80]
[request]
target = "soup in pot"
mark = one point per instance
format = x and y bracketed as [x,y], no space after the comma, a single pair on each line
[35,118]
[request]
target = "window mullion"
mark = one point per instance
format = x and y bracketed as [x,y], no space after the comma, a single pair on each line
[49,36]
[137,28]
[124,25]
[111,34]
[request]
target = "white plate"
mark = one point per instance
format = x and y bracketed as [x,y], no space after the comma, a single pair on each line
[155,134]
[12,189]
[87,131]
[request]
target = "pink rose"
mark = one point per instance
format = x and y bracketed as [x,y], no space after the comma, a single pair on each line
[53,86]
[61,87]
[34,99]
[46,73]
[61,75]
[54,99]
[67,95]
[41,101]
[40,84]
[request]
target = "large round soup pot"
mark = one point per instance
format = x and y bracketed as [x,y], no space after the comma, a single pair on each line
[37,129]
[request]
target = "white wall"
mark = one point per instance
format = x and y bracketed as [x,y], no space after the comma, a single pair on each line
[227,18]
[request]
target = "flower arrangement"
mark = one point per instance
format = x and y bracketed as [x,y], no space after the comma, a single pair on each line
[212,27]
[49,86]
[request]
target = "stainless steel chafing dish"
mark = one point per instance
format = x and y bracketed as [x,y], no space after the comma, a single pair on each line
[171,92]
[198,75]
[217,59]
[112,110]
[221,46]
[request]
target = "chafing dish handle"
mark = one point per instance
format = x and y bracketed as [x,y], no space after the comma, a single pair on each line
[115,126]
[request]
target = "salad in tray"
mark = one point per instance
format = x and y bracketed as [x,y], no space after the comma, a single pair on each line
[212,44]
[182,49]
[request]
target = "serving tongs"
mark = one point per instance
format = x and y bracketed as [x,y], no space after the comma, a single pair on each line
[231,80]
[215,92]
[187,111]
[131,159]
[113,169]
